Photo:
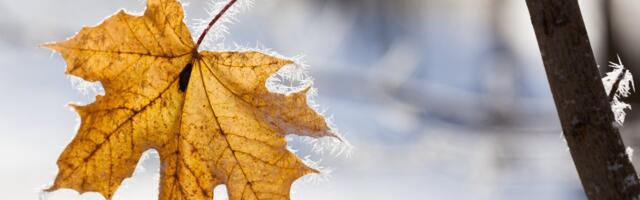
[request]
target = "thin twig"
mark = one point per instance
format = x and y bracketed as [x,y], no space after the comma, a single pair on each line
[213,21]
[614,87]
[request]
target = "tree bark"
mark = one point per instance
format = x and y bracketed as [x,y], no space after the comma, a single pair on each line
[583,107]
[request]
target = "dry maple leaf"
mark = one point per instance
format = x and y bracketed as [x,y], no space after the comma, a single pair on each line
[208,114]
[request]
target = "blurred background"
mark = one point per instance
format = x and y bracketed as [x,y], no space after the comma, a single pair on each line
[442,99]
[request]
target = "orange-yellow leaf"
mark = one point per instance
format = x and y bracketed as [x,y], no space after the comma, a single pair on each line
[208,114]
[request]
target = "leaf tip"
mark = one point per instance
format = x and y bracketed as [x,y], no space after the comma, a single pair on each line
[50,45]
[287,62]
[309,170]
[50,189]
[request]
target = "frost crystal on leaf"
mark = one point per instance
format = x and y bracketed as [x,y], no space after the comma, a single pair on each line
[295,77]
[621,80]
[289,79]
[209,115]
[87,88]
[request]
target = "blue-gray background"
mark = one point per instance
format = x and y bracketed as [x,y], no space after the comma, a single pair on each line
[442,99]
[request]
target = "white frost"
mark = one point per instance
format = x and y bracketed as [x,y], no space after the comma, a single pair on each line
[87,88]
[625,87]
[614,167]
[630,181]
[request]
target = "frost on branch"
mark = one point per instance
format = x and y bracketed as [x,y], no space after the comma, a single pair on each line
[620,80]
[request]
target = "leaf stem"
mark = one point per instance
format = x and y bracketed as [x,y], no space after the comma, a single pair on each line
[213,21]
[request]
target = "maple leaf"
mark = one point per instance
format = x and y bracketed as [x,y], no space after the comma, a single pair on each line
[208,114]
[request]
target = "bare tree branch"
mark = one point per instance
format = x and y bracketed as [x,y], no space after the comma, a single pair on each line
[583,107]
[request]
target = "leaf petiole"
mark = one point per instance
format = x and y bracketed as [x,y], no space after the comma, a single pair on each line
[213,21]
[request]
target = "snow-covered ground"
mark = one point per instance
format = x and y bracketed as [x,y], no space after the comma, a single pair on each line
[431,114]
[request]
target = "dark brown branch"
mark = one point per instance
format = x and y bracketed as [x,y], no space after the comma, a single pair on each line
[583,106]
[213,21]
